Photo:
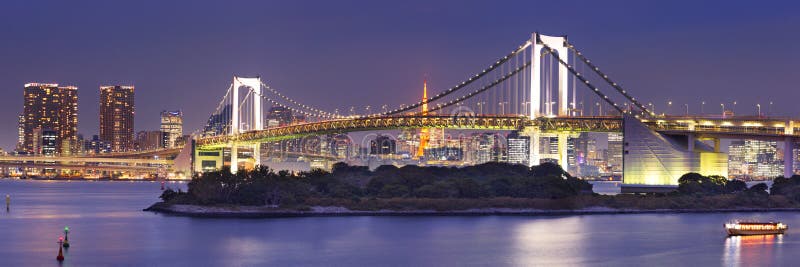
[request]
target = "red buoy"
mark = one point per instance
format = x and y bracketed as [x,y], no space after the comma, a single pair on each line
[60,256]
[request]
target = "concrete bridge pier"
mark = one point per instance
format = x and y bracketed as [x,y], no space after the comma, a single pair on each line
[234,158]
[533,134]
[563,138]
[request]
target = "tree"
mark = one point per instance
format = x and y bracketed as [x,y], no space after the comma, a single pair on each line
[734,186]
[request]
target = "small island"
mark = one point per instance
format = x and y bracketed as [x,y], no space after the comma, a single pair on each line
[486,189]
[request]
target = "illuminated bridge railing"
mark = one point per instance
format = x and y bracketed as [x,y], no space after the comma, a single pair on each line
[731,126]
[366,124]
[579,124]
[570,124]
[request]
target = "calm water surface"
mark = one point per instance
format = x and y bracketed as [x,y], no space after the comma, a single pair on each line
[109,228]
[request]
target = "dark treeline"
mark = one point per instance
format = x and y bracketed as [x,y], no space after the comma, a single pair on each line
[490,185]
[263,186]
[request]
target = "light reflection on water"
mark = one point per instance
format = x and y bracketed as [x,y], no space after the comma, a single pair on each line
[109,228]
[756,250]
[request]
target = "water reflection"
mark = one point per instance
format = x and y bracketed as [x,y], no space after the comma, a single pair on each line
[108,228]
[549,241]
[752,250]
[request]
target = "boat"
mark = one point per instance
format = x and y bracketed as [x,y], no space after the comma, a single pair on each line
[755,228]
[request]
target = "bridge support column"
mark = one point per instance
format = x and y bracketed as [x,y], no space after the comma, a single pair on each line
[557,43]
[690,138]
[533,135]
[788,157]
[234,159]
[256,155]
[716,145]
[563,138]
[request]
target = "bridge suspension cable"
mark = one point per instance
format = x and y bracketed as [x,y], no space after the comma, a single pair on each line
[322,113]
[482,89]
[608,80]
[583,79]
[459,86]
[317,114]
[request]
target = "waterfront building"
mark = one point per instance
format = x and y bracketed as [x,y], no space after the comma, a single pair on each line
[48,107]
[171,127]
[117,116]
[407,142]
[20,133]
[614,153]
[488,148]
[96,146]
[218,123]
[342,146]
[149,140]
[49,145]
[518,148]
[382,145]
[754,160]
[279,116]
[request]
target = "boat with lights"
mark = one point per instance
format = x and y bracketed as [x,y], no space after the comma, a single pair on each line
[755,228]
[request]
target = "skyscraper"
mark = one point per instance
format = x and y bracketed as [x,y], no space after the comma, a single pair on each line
[49,107]
[171,126]
[116,116]
[21,133]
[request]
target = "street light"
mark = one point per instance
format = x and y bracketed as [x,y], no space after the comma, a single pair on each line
[701,106]
[525,107]
[669,107]
[759,109]
[723,110]
[599,108]
[769,110]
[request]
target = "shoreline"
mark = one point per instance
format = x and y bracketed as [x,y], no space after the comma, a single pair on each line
[95,179]
[252,212]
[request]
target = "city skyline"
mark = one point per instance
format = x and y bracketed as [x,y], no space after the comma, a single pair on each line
[197,57]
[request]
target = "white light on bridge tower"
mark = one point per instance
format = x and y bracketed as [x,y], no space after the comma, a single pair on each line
[559,44]
[253,84]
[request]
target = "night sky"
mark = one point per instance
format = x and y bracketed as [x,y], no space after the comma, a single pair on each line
[334,54]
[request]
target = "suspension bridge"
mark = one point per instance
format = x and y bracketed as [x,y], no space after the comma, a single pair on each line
[538,89]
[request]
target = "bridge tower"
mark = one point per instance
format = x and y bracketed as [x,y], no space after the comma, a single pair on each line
[559,44]
[256,113]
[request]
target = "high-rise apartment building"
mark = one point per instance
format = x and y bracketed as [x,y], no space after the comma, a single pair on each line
[49,107]
[171,127]
[518,148]
[116,116]
[21,133]
[49,144]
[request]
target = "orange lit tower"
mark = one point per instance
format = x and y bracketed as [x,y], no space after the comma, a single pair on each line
[424,134]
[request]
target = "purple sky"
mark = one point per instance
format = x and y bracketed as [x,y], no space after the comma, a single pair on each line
[182,54]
